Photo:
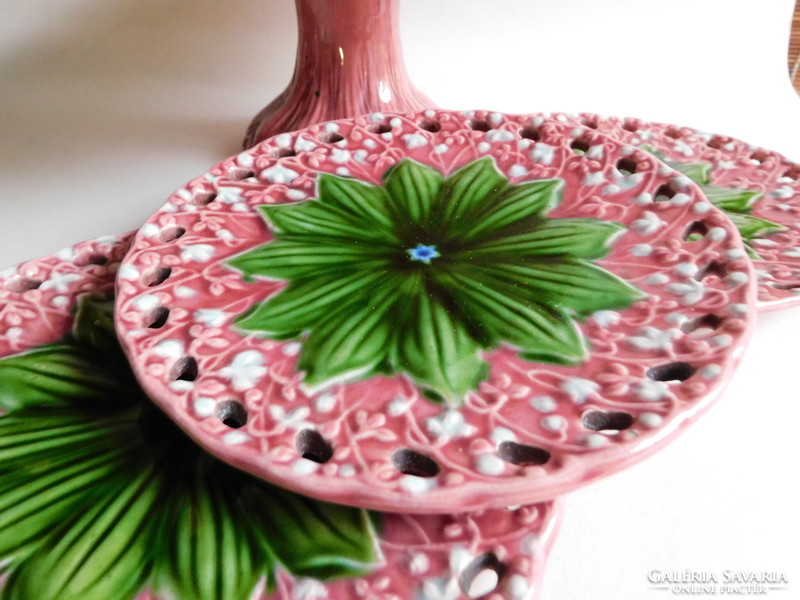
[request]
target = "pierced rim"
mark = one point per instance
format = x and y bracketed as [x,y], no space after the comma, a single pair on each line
[37,296]
[530,431]
[735,164]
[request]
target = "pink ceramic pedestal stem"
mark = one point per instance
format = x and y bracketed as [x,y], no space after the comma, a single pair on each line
[349,62]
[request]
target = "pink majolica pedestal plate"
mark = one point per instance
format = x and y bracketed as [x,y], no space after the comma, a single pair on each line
[456,309]
[758,189]
[101,496]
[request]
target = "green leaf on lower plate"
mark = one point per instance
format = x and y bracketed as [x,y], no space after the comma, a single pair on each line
[752,227]
[311,538]
[732,200]
[100,550]
[699,172]
[56,373]
[210,525]
[100,498]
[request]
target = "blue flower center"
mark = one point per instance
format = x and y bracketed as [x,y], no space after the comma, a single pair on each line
[423,253]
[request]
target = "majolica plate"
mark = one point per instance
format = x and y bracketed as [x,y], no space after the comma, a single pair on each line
[447,310]
[103,498]
[758,189]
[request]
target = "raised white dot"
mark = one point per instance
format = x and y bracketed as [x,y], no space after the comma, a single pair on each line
[169,349]
[518,587]
[737,278]
[502,434]
[325,403]
[184,292]
[205,407]
[543,403]
[303,466]
[721,341]
[740,310]
[489,464]
[417,485]
[717,234]
[235,438]
[552,423]
[595,440]
[517,171]
[657,279]
[711,371]
[650,419]
[734,254]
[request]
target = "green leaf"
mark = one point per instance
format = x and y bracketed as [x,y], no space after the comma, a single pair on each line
[57,373]
[436,349]
[54,433]
[304,304]
[94,327]
[351,340]
[295,257]
[213,551]
[311,538]
[414,190]
[363,202]
[33,504]
[315,218]
[102,551]
[514,208]
[699,172]
[496,307]
[465,193]
[568,284]
[732,199]
[98,495]
[754,227]
[582,238]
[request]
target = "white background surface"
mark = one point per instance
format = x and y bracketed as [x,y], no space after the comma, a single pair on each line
[107,106]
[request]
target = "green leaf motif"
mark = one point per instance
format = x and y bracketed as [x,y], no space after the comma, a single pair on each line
[101,495]
[736,202]
[423,275]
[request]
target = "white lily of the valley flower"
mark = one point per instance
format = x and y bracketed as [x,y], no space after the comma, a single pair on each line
[245,370]
[692,291]
[295,419]
[653,339]
[198,252]
[649,224]
[651,391]
[579,390]
[449,424]
[211,317]
[60,282]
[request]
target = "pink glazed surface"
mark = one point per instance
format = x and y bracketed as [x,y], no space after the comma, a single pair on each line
[422,556]
[530,403]
[736,164]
